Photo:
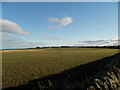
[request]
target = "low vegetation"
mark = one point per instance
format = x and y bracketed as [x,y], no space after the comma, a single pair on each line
[21,67]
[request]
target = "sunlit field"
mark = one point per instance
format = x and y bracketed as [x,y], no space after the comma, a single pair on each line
[22,66]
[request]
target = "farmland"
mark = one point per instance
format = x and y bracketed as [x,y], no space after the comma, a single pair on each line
[22,66]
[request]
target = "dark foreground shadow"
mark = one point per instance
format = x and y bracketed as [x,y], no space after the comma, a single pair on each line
[60,80]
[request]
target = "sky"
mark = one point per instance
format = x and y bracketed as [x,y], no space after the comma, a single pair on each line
[60,0]
[38,24]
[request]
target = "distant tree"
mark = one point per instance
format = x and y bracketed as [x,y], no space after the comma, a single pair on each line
[64,46]
[37,47]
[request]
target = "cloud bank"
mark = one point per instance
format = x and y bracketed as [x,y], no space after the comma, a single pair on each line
[100,42]
[51,37]
[4,34]
[61,22]
[14,42]
[11,27]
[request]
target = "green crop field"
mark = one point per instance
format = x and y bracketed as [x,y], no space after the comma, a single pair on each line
[22,66]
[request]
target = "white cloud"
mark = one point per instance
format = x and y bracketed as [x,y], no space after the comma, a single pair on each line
[65,21]
[8,41]
[5,34]
[54,20]
[55,27]
[19,43]
[60,22]
[51,37]
[100,42]
[11,27]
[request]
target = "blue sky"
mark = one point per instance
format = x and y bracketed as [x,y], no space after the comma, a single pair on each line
[58,23]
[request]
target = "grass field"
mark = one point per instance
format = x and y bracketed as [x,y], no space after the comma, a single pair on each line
[20,67]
